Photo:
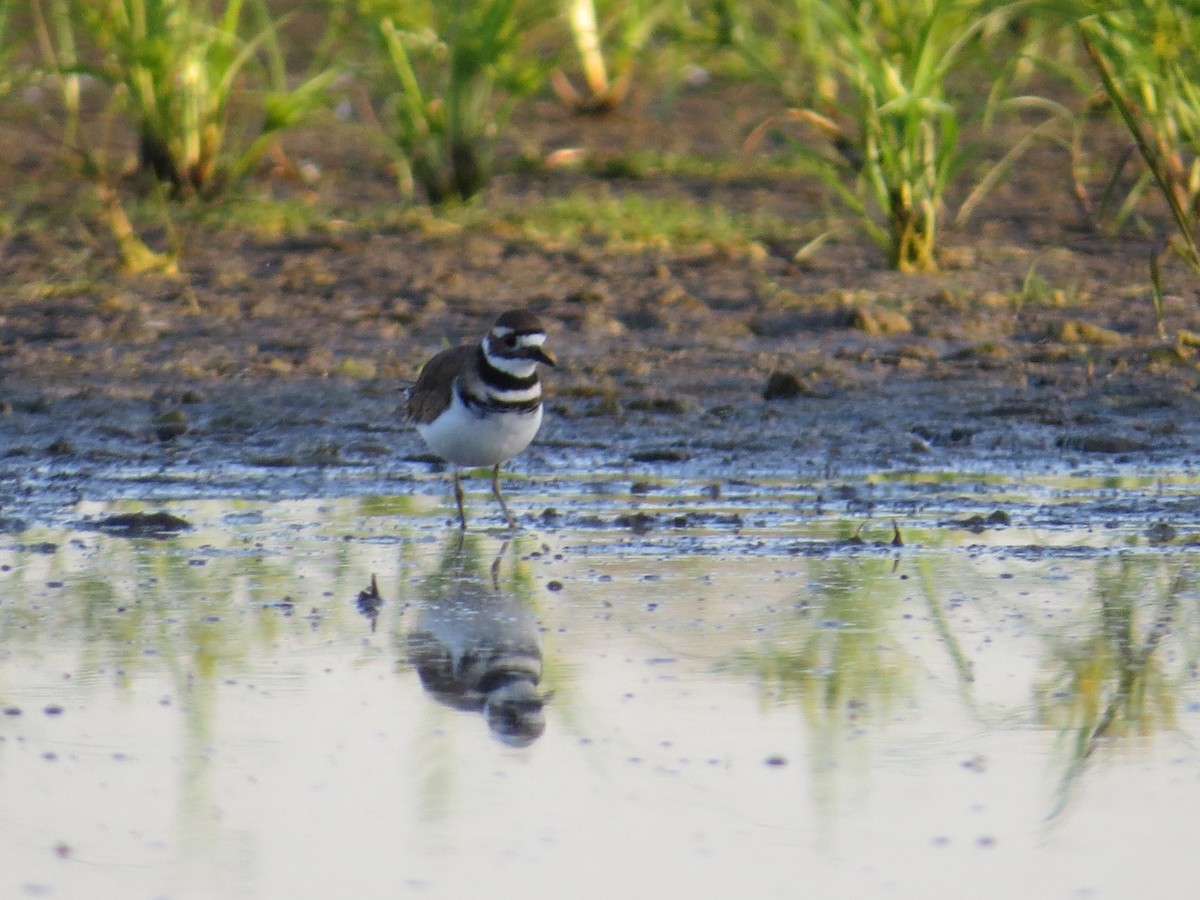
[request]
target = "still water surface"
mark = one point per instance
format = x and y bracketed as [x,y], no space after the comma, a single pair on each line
[743,703]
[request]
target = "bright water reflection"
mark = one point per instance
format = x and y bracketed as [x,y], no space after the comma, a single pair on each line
[214,715]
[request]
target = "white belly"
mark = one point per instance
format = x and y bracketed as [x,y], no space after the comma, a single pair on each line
[468,439]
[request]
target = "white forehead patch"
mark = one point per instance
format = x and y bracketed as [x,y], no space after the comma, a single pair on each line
[533,339]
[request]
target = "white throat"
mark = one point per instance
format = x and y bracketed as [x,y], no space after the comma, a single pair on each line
[518,368]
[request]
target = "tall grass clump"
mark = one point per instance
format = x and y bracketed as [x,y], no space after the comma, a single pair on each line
[608,38]
[1145,52]
[889,132]
[175,68]
[453,70]
[55,30]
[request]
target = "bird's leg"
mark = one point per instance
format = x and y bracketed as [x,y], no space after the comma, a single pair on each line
[500,497]
[496,565]
[458,498]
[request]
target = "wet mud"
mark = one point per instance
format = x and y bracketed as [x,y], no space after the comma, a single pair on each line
[275,367]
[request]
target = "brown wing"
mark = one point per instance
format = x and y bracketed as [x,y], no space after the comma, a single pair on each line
[431,394]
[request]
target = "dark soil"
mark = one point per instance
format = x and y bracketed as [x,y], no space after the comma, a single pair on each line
[275,366]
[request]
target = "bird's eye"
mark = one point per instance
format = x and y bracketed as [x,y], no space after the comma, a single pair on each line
[510,340]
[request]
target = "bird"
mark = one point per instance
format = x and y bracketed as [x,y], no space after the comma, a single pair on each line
[481,404]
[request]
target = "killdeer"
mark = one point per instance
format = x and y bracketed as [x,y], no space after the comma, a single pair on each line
[481,405]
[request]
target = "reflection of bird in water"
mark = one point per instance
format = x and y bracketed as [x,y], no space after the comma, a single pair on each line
[476,647]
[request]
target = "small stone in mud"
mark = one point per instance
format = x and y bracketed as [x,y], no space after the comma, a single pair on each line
[776,761]
[638,523]
[61,447]
[960,435]
[53,710]
[554,586]
[12,711]
[977,523]
[170,425]
[785,386]
[666,455]
[156,524]
[1161,533]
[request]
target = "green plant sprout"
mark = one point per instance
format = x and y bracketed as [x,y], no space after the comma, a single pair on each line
[1143,53]
[893,149]
[177,66]
[455,81]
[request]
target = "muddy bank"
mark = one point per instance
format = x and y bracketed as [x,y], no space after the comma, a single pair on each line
[275,436]
[275,367]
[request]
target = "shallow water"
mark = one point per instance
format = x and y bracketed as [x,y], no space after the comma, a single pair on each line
[751,690]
